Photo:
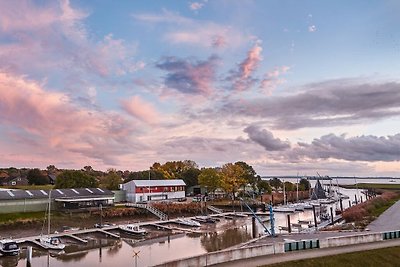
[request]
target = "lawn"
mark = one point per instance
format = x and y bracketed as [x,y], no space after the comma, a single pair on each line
[30,187]
[370,258]
[372,186]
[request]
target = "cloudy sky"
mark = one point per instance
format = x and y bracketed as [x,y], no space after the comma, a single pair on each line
[287,86]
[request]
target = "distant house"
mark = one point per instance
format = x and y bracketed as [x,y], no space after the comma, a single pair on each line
[153,190]
[13,181]
[52,178]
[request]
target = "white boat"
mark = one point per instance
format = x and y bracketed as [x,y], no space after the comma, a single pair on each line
[188,222]
[9,247]
[133,229]
[47,241]
[286,209]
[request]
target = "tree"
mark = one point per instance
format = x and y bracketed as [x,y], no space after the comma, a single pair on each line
[232,178]
[249,175]
[263,186]
[51,169]
[304,184]
[210,178]
[75,179]
[190,177]
[36,177]
[111,181]
[289,186]
[275,183]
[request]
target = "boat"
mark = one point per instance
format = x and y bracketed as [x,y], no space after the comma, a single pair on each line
[286,209]
[188,222]
[133,229]
[325,216]
[205,219]
[9,247]
[47,241]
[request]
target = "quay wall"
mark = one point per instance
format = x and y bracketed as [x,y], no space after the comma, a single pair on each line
[350,240]
[227,255]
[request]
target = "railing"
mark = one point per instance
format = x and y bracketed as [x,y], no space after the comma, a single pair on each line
[151,209]
[214,209]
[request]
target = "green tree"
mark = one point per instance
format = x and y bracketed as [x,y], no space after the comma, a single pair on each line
[210,178]
[232,178]
[111,181]
[190,177]
[290,186]
[304,184]
[275,183]
[36,177]
[263,187]
[75,179]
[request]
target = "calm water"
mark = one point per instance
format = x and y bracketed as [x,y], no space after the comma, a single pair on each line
[114,253]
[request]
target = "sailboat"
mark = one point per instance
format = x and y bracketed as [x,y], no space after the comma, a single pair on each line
[47,241]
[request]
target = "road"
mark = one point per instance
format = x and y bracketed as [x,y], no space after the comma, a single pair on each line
[307,254]
[387,221]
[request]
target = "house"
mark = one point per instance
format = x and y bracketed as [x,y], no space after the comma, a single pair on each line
[13,181]
[151,190]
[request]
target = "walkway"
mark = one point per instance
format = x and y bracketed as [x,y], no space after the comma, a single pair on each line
[387,221]
[307,254]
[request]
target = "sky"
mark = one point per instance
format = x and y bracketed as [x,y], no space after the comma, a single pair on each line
[290,87]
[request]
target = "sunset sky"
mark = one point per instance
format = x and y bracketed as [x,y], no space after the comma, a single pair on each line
[286,86]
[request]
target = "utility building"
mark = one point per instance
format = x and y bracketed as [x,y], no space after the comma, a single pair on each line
[151,190]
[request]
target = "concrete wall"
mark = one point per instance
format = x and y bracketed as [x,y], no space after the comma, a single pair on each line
[120,196]
[24,205]
[350,240]
[227,255]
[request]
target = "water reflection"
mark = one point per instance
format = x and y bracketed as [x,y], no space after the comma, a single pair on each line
[9,261]
[216,241]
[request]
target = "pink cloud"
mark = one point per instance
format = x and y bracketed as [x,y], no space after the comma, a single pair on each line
[49,122]
[272,79]
[196,5]
[140,109]
[242,78]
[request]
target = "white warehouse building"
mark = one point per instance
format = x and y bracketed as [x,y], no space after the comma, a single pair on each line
[152,190]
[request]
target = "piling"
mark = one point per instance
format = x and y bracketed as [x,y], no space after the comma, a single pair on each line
[28,256]
[361,199]
[253,225]
[315,216]
[341,205]
[288,224]
[349,203]
[331,215]
[355,198]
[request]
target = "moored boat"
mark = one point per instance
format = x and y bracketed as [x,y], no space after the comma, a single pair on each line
[133,229]
[188,222]
[9,247]
[51,242]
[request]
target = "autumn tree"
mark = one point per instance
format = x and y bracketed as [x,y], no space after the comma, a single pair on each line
[36,177]
[210,178]
[249,174]
[75,179]
[232,178]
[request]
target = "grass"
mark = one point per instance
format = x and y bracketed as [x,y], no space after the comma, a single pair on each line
[370,258]
[372,186]
[26,217]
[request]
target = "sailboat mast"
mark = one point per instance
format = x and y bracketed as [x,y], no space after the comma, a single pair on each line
[48,218]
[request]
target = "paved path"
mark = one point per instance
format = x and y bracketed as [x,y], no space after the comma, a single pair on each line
[387,221]
[307,254]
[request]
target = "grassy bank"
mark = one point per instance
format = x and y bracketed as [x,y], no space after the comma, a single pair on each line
[368,211]
[373,186]
[371,258]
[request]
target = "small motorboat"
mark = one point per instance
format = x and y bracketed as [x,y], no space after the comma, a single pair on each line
[50,242]
[188,222]
[9,247]
[133,229]
[287,209]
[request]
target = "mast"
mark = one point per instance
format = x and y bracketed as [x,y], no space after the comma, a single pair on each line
[48,218]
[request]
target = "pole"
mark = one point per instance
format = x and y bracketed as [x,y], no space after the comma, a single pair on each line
[349,203]
[355,197]
[48,215]
[288,224]
[253,225]
[29,256]
[341,205]
[331,215]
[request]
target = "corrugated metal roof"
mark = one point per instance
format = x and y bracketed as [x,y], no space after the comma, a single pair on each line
[55,193]
[169,182]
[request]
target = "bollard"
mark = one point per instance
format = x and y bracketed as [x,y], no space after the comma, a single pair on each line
[289,225]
